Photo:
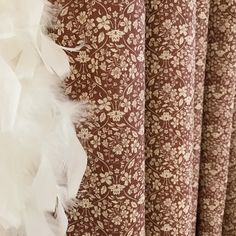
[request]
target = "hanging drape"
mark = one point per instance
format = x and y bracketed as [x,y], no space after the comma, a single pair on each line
[161,142]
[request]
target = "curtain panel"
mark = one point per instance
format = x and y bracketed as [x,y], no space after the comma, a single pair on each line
[162,142]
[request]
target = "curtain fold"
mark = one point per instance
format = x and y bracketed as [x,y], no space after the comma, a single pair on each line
[169,167]
[109,71]
[218,117]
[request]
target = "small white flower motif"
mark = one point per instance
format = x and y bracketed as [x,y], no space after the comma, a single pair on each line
[167,202]
[183,29]
[84,96]
[126,178]
[182,150]
[135,146]
[189,39]
[187,156]
[202,15]
[167,147]
[85,203]
[116,115]
[141,199]
[104,104]
[155,67]
[167,88]
[115,14]
[84,134]
[103,22]
[166,116]
[126,24]
[116,220]
[74,214]
[155,4]
[182,92]
[142,95]
[166,228]
[96,142]
[117,149]
[106,178]
[126,104]
[82,57]
[141,57]
[90,24]
[166,174]
[115,35]
[188,100]
[166,55]
[133,70]
[116,72]
[134,215]
[167,24]
[93,66]
[96,211]
[116,188]
[59,26]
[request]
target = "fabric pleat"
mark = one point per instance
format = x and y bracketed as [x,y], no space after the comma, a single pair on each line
[108,71]
[217,118]
[161,144]
[170,86]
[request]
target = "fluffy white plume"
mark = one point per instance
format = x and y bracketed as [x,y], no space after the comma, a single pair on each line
[41,160]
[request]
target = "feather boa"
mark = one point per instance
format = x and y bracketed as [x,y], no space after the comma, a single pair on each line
[41,160]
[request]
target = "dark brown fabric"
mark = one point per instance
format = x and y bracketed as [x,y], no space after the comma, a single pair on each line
[218,118]
[187,186]
[109,71]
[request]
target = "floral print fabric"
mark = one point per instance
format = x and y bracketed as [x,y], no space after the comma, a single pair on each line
[167,168]
[109,71]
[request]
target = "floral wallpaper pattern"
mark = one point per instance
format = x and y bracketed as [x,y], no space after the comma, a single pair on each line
[161,142]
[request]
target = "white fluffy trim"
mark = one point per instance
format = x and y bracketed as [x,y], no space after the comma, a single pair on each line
[41,160]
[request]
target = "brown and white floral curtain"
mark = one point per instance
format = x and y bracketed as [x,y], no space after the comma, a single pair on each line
[162,141]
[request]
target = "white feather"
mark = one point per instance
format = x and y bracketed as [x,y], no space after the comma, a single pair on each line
[41,160]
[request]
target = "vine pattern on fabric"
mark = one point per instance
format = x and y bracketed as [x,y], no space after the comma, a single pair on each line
[109,71]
